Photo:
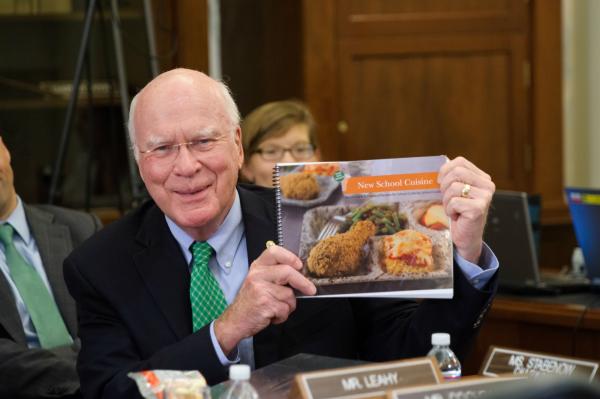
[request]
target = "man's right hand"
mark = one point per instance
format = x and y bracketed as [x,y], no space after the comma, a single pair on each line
[266,297]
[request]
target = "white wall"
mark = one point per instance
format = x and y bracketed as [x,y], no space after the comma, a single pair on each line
[581,92]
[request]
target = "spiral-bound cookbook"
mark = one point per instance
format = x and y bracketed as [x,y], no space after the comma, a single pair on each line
[374,228]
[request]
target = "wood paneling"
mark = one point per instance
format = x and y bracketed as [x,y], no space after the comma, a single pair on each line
[392,17]
[192,27]
[320,65]
[181,34]
[547,110]
[262,57]
[453,95]
[409,78]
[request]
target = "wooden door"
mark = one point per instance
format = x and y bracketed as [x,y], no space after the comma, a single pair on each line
[410,78]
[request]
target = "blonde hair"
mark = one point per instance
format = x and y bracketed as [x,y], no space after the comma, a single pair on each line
[275,119]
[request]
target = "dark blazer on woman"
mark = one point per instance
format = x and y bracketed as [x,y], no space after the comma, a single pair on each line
[131,285]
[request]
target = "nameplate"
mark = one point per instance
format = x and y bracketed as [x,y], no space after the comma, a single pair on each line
[368,381]
[468,387]
[516,362]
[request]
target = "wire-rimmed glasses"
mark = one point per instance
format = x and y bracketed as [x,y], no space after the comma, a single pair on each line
[167,153]
[273,153]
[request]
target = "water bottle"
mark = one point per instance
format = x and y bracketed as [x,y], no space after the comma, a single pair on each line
[239,375]
[447,360]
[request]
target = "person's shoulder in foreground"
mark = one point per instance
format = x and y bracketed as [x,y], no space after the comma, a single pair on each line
[81,224]
[146,285]
[38,328]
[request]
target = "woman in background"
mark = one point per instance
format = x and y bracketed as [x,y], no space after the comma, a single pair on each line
[280,131]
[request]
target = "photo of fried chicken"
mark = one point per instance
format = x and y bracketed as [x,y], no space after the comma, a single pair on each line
[300,186]
[407,251]
[341,254]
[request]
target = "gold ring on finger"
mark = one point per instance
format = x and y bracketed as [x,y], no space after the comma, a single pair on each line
[465,190]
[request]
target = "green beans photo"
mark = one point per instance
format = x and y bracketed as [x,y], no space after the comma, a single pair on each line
[386,218]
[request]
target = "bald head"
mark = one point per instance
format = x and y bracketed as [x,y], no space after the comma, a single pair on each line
[181,87]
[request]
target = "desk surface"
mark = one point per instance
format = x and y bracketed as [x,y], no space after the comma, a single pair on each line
[275,380]
[576,310]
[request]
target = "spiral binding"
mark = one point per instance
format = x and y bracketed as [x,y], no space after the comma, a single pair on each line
[276,184]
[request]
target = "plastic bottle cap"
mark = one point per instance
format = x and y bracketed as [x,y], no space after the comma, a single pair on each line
[440,339]
[239,372]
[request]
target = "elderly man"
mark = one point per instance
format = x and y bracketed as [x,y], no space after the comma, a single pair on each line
[185,282]
[38,327]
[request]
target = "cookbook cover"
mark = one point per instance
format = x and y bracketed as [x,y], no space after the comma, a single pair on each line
[373,228]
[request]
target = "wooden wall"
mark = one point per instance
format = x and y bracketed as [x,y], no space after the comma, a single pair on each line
[262,60]
[181,33]
[411,78]
[547,109]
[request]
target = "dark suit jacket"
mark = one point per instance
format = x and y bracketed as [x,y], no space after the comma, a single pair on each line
[41,373]
[131,284]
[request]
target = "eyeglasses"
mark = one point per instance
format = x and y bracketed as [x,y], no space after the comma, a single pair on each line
[300,152]
[167,153]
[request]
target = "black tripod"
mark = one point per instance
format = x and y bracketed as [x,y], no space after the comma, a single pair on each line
[92,6]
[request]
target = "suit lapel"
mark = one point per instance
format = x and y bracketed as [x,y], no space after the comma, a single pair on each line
[163,270]
[9,316]
[54,244]
[259,224]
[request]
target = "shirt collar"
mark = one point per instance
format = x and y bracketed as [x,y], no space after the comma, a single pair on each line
[18,221]
[224,241]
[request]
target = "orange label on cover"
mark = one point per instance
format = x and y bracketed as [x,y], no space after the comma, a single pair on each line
[380,184]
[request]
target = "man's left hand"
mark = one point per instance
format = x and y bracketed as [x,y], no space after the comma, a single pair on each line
[467,192]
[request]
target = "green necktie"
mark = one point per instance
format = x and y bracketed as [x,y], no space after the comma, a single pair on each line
[206,296]
[46,318]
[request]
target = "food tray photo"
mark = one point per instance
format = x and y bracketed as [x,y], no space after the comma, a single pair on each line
[416,227]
